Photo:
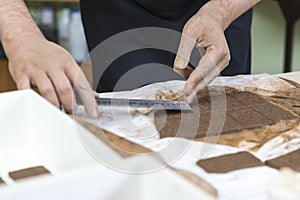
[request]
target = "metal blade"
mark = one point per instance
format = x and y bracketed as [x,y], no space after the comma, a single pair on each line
[144,103]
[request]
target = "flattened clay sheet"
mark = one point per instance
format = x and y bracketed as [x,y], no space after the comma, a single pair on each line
[244,111]
[230,162]
[29,172]
[291,160]
[289,99]
[254,139]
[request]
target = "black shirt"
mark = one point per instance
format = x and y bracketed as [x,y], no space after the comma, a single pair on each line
[103,19]
[168,9]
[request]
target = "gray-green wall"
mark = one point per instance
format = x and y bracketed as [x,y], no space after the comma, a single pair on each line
[268,39]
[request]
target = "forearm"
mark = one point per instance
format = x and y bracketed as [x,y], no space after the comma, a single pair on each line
[226,11]
[16,24]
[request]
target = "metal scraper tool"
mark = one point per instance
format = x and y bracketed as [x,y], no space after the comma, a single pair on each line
[144,103]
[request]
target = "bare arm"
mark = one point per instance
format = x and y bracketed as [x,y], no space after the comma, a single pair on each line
[15,23]
[226,11]
[205,30]
[34,61]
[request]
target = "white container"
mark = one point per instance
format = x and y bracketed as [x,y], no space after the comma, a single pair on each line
[78,46]
[63,26]
[33,132]
[47,16]
[107,184]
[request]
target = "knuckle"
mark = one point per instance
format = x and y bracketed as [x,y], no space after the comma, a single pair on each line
[190,28]
[223,53]
[64,90]
[187,28]
[190,23]
[26,70]
[70,63]
[46,89]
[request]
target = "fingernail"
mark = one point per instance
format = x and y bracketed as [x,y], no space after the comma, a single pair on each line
[96,95]
[180,65]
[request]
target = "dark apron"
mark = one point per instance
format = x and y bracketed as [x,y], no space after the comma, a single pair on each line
[103,19]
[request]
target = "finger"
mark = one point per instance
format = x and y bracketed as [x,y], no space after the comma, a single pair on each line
[87,95]
[82,87]
[200,86]
[203,83]
[64,90]
[184,52]
[97,95]
[206,64]
[212,74]
[45,87]
[201,50]
[23,83]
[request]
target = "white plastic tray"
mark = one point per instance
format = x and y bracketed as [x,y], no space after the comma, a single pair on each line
[34,133]
[107,184]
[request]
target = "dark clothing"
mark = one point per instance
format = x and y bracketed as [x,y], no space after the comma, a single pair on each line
[103,19]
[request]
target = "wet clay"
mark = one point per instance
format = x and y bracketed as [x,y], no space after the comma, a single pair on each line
[291,160]
[241,111]
[29,172]
[229,162]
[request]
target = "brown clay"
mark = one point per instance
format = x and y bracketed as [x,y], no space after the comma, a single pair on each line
[29,172]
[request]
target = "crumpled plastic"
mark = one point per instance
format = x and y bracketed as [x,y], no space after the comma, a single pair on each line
[137,126]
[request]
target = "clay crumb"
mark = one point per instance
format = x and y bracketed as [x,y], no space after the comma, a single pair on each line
[29,172]
[168,95]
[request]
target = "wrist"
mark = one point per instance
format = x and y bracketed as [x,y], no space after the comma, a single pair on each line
[216,12]
[224,12]
[14,44]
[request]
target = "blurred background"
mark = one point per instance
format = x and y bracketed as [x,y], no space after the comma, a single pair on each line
[60,22]
[268,39]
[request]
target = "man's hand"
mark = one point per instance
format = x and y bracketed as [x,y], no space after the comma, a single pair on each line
[36,62]
[205,31]
[47,66]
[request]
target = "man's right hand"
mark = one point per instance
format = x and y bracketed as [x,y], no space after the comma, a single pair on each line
[36,62]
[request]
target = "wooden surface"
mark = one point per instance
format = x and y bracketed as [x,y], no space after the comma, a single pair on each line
[6,81]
